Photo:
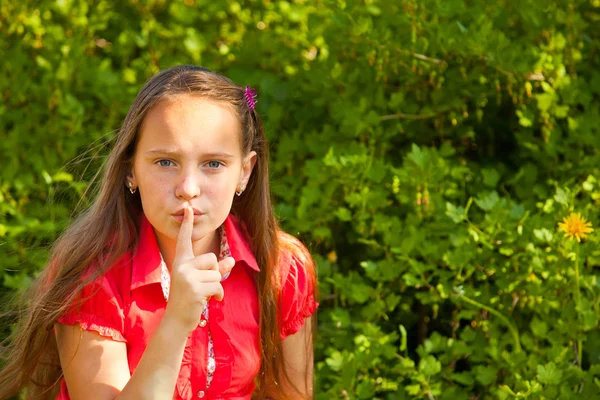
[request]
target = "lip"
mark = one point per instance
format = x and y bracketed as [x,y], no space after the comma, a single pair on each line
[178,216]
[182,212]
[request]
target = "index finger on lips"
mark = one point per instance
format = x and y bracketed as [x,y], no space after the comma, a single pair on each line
[184,249]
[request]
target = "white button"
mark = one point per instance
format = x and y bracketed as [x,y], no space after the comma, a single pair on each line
[202,324]
[201,394]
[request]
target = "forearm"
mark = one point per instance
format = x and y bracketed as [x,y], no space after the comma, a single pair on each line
[156,374]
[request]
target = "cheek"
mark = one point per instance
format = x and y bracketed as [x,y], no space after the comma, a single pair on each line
[154,189]
[219,189]
[221,185]
[156,184]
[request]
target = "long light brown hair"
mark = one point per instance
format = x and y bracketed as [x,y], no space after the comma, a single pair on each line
[108,229]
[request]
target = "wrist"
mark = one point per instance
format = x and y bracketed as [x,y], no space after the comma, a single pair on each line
[175,326]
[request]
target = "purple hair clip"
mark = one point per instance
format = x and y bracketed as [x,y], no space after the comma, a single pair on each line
[250,95]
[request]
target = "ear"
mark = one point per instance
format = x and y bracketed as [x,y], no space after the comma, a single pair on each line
[247,167]
[130,178]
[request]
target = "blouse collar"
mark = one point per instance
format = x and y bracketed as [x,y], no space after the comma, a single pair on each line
[146,263]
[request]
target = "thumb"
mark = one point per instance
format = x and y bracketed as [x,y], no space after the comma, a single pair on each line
[225,266]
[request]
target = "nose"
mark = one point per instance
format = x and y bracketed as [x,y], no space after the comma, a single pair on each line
[188,186]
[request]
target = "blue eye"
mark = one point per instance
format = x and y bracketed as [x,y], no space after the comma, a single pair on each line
[165,163]
[214,164]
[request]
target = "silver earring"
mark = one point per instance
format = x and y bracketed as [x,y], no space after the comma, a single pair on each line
[240,190]
[131,188]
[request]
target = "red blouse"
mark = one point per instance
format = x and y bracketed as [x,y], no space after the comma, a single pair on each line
[127,304]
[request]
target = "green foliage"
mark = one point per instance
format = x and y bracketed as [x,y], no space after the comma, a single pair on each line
[424,150]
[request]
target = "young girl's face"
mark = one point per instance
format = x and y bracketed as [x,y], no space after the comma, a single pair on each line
[189,154]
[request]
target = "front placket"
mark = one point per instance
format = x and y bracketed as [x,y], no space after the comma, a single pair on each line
[185,388]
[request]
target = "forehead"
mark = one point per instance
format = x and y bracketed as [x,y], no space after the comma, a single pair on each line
[188,122]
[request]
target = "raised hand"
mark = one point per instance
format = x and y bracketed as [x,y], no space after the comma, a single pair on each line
[194,279]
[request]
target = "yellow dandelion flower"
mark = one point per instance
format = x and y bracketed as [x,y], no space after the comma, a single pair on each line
[575,226]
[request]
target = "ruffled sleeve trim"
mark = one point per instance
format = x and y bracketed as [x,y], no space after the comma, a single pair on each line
[94,323]
[292,326]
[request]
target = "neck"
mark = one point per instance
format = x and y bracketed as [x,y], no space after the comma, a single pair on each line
[210,243]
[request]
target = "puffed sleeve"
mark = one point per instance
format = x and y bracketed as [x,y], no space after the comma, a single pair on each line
[298,300]
[99,307]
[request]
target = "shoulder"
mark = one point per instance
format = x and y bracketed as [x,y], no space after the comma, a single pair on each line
[294,258]
[116,271]
[100,301]
[103,284]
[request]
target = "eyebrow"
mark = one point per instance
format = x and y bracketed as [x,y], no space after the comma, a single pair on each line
[218,154]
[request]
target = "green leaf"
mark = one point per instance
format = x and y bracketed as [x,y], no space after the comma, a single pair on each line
[456,214]
[538,327]
[365,389]
[543,235]
[403,339]
[62,177]
[436,343]
[341,317]
[343,214]
[335,361]
[488,201]
[429,365]
[549,374]
[517,211]
[561,196]
[462,28]
[418,156]
[525,118]
[411,280]
[561,111]
[446,150]
[464,378]
[545,100]
[47,177]
[363,25]
[18,281]
[547,87]
[490,177]
[374,10]
[370,269]
[360,292]
[42,62]
[486,375]
[413,390]
[589,319]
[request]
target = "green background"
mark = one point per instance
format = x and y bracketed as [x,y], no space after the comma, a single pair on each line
[424,150]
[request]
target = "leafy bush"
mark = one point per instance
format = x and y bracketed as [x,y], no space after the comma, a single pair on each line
[426,151]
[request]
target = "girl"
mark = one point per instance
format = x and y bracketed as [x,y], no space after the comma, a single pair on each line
[177,282]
